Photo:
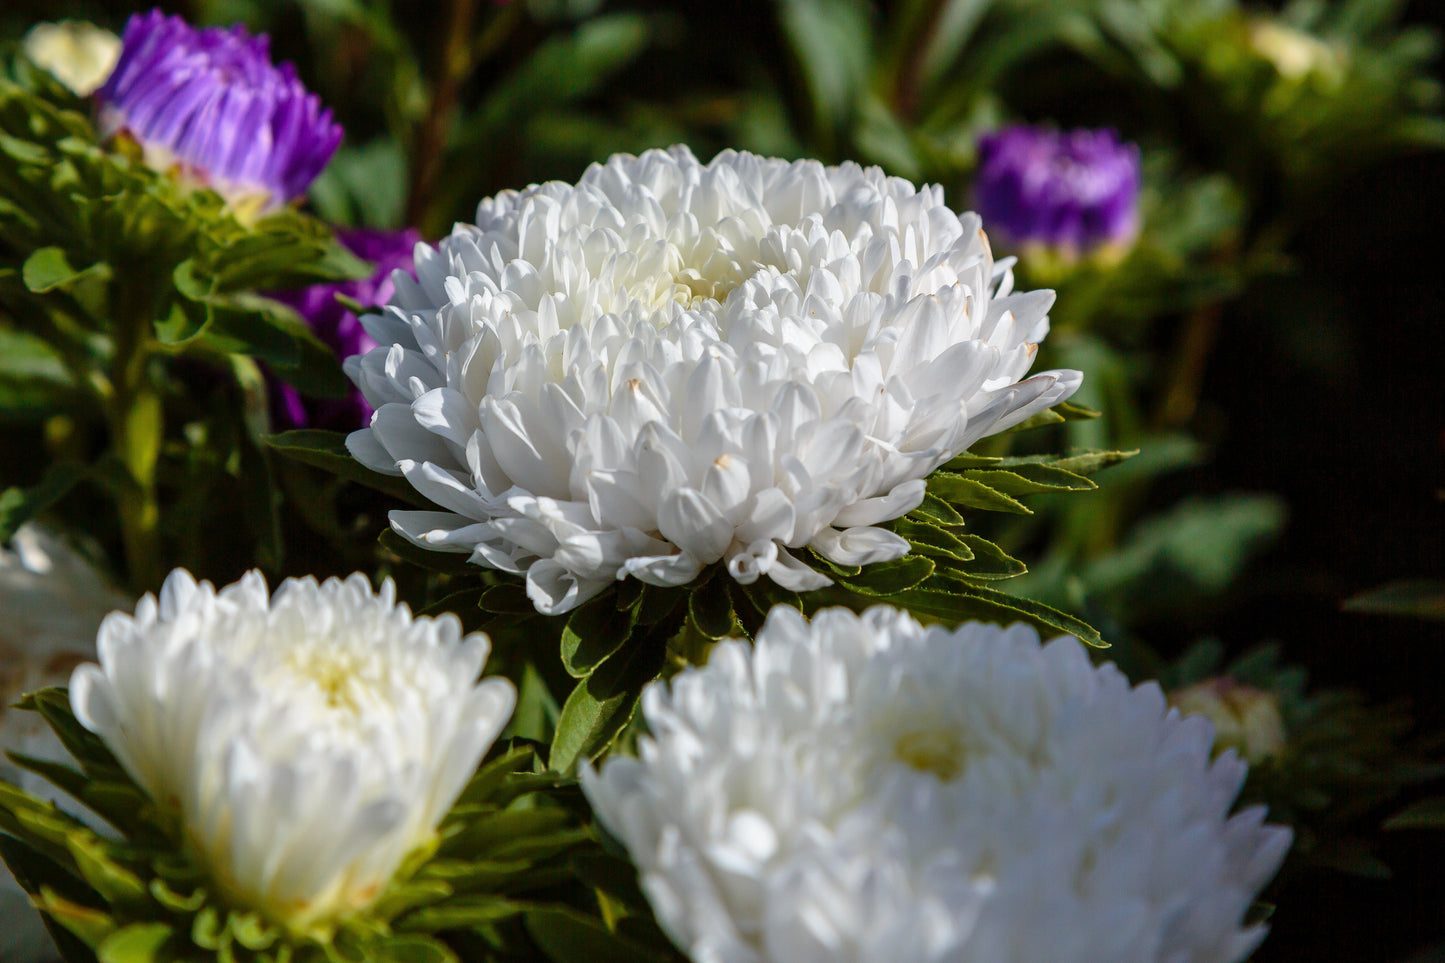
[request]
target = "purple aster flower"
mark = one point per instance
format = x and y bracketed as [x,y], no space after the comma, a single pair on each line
[340,329]
[211,104]
[1072,191]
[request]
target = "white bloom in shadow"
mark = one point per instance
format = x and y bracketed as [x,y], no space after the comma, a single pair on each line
[864,789]
[309,741]
[672,364]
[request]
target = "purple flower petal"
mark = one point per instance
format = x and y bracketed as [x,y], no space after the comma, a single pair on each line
[1073,190]
[340,329]
[212,100]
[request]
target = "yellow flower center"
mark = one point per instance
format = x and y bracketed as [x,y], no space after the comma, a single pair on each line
[939,751]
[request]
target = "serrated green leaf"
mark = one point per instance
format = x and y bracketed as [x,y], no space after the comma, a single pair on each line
[1031,479]
[710,607]
[972,493]
[961,602]
[594,631]
[137,943]
[1090,462]
[989,561]
[601,705]
[889,578]
[937,510]
[927,539]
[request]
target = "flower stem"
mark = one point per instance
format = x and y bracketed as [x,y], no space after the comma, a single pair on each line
[137,426]
[457,60]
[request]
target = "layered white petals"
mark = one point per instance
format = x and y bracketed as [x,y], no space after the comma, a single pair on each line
[308,740]
[864,789]
[702,356]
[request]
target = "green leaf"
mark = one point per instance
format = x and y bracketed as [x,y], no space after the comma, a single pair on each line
[593,632]
[411,949]
[932,540]
[137,943]
[33,377]
[55,773]
[937,510]
[1421,598]
[969,492]
[461,912]
[601,705]
[710,606]
[1056,415]
[567,936]
[989,561]
[251,930]
[832,42]
[327,450]
[118,885]
[1425,814]
[1090,462]
[19,505]
[1031,479]
[509,834]
[961,602]
[611,874]
[508,598]
[48,269]
[84,746]
[890,578]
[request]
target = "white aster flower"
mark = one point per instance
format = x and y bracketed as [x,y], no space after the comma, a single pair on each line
[52,601]
[309,740]
[864,789]
[672,364]
[79,54]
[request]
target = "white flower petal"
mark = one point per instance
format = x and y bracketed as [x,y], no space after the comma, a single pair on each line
[863,788]
[310,740]
[859,546]
[795,345]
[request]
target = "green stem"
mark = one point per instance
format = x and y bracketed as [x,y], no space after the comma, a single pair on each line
[137,426]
